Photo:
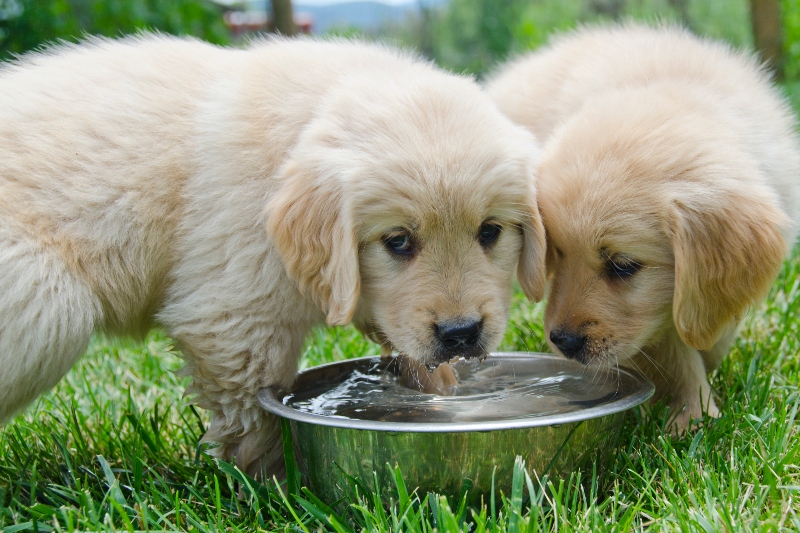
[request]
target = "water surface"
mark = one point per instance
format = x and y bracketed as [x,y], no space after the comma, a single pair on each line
[496,389]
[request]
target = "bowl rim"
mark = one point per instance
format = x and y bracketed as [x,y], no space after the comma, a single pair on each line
[270,399]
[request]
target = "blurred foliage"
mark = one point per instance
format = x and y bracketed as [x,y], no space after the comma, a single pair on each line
[27,24]
[475,33]
[472,36]
[469,36]
[790,12]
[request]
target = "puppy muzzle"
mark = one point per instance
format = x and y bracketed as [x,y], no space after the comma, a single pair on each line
[571,344]
[458,338]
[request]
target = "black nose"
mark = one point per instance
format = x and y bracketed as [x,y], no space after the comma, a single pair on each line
[459,337]
[569,343]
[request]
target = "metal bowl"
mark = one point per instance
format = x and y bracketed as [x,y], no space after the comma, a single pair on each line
[464,443]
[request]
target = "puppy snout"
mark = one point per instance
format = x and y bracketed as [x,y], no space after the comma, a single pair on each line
[569,343]
[459,337]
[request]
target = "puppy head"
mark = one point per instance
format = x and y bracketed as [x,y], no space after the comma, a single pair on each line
[408,206]
[657,223]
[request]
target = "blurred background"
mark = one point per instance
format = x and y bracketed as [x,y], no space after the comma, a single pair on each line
[467,36]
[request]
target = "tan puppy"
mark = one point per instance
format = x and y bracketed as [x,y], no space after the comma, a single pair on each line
[669,189]
[240,197]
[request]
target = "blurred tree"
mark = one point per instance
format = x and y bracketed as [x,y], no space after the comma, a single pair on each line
[282,17]
[682,8]
[767,33]
[27,24]
[427,21]
[610,8]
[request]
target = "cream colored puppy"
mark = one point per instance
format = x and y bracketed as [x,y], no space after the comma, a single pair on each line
[670,192]
[240,197]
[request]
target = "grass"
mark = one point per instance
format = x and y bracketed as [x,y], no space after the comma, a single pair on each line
[114,447]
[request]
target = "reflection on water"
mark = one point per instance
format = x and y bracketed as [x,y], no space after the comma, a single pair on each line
[499,389]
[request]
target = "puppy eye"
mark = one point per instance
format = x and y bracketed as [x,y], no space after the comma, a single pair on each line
[621,267]
[488,233]
[399,244]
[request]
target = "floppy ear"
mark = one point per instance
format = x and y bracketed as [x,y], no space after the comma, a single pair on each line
[531,267]
[726,258]
[310,225]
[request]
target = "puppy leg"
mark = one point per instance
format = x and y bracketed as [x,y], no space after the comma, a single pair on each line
[691,397]
[713,357]
[679,374]
[244,431]
[231,354]
[257,452]
[47,316]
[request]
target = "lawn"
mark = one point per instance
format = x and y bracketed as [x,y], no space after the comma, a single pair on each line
[114,446]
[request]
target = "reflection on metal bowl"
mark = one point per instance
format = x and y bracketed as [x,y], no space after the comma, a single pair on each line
[353,417]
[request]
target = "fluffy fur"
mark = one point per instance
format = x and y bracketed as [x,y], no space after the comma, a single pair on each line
[240,197]
[670,192]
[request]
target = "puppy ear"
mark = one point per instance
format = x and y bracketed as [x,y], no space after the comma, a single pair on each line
[726,259]
[531,267]
[310,225]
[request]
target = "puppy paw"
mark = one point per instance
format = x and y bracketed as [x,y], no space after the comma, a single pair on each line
[257,450]
[415,375]
[685,417]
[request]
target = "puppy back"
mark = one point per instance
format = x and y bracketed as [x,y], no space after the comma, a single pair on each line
[579,71]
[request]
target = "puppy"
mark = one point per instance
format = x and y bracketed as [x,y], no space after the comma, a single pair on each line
[669,188]
[240,197]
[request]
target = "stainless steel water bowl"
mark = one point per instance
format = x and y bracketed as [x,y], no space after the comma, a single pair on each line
[554,413]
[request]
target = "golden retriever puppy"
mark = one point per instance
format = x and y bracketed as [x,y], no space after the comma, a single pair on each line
[240,197]
[669,189]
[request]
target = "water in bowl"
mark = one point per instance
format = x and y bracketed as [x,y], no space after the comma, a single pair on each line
[492,390]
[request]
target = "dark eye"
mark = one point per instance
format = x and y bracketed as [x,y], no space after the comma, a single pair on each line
[488,233]
[621,267]
[399,244]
